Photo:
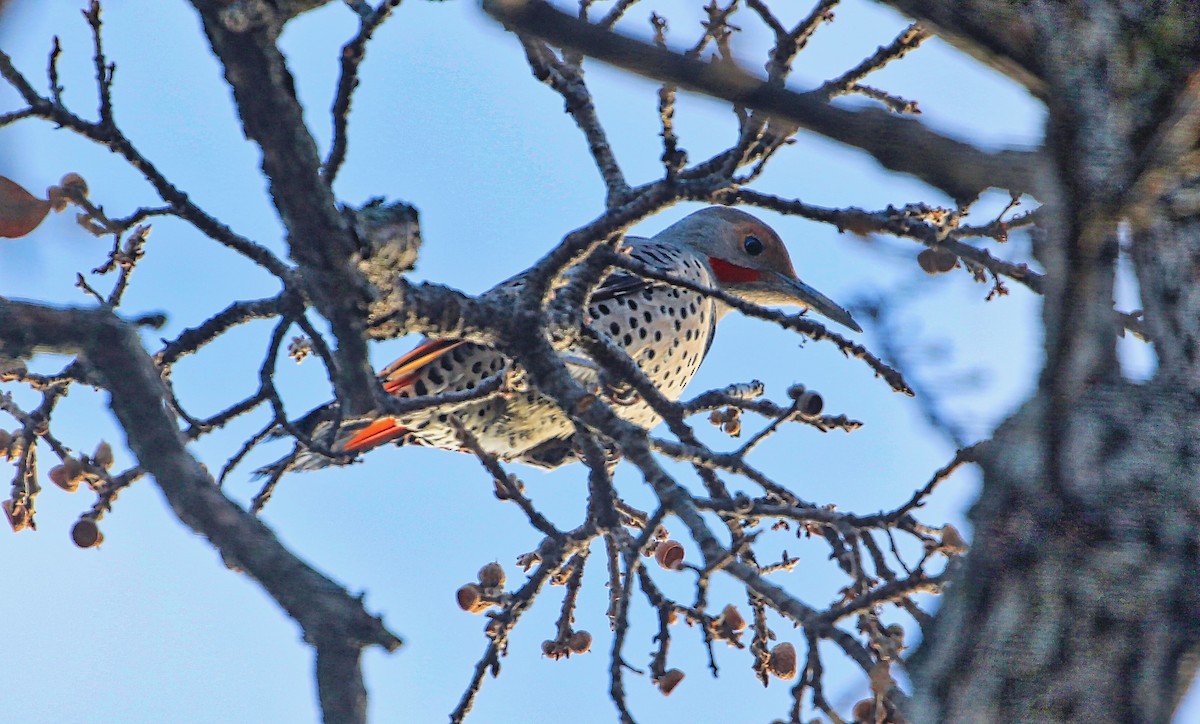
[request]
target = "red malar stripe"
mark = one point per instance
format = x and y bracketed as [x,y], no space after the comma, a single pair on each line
[732,273]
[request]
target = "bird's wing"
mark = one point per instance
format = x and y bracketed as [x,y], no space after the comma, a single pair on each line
[619,284]
[402,372]
[395,378]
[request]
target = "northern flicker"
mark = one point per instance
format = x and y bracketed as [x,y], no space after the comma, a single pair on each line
[665,329]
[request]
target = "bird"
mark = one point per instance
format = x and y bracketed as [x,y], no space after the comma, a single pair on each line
[665,329]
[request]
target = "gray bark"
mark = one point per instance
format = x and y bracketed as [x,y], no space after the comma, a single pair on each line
[1080,600]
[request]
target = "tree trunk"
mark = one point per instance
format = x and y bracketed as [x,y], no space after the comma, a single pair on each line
[1080,600]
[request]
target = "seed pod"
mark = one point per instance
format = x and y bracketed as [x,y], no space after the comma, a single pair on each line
[782,661]
[810,403]
[864,711]
[86,533]
[732,619]
[68,475]
[580,642]
[669,681]
[669,555]
[944,260]
[103,456]
[926,261]
[17,514]
[491,575]
[470,599]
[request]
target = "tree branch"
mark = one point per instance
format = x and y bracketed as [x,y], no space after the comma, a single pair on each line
[318,237]
[334,622]
[899,144]
[994,33]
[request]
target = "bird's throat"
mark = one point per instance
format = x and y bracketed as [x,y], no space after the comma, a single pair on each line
[732,273]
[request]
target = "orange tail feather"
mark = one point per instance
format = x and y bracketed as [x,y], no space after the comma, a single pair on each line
[377,433]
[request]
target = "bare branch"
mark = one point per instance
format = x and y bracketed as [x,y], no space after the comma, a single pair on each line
[900,144]
[334,622]
[353,54]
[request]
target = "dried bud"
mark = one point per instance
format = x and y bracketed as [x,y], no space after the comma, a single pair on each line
[669,555]
[864,711]
[580,642]
[795,391]
[86,533]
[16,445]
[18,515]
[68,475]
[731,619]
[299,348]
[103,456]
[74,184]
[470,599]
[5,440]
[669,681]
[782,661]
[550,648]
[491,575]
[952,541]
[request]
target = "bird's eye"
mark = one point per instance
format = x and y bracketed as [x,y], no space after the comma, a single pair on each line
[753,246]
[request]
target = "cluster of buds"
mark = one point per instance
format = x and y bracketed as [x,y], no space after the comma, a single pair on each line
[729,420]
[487,592]
[575,642]
[74,471]
[505,491]
[887,641]
[299,348]
[808,402]
[936,260]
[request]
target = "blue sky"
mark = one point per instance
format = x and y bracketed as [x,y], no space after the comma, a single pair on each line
[152,627]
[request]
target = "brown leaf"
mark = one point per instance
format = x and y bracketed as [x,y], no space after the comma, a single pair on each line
[20,211]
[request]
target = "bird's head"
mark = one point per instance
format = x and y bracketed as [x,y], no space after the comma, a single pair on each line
[750,261]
